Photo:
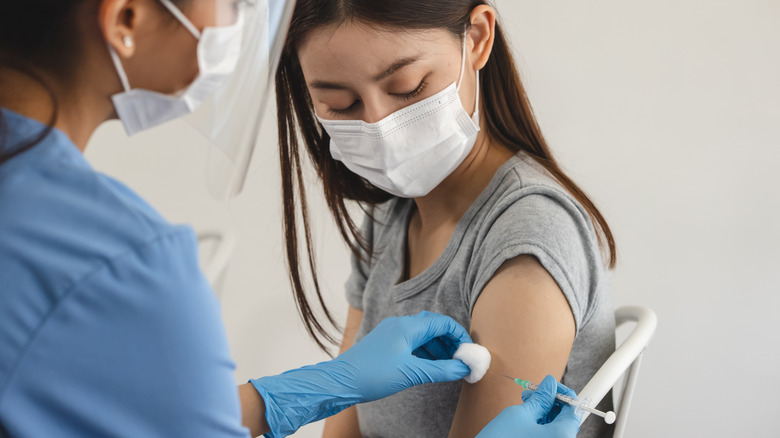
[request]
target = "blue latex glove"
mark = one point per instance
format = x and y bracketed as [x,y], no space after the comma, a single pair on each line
[540,415]
[386,361]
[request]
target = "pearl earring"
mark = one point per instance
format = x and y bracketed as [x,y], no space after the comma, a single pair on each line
[128,41]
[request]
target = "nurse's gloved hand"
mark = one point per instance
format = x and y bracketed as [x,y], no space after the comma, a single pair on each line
[386,361]
[540,416]
[391,359]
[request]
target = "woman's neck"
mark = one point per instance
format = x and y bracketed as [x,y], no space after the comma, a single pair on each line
[80,108]
[449,200]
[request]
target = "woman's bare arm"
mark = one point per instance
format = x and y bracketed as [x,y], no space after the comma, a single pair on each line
[252,410]
[525,321]
[345,423]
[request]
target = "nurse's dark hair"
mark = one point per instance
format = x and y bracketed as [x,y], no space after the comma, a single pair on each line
[40,35]
[506,112]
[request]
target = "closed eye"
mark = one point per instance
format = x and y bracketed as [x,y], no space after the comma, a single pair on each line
[414,93]
[336,112]
[340,112]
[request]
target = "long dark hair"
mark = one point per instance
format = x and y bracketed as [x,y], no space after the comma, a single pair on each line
[37,34]
[506,109]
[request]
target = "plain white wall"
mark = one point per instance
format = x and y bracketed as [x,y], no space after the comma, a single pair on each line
[666,112]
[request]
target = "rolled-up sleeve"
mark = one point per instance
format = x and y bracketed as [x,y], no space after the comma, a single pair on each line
[558,233]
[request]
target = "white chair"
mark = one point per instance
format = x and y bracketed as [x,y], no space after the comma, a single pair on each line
[216,247]
[624,361]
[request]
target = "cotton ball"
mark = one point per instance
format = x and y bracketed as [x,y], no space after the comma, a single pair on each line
[476,357]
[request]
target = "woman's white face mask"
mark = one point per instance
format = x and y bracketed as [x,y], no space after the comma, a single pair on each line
[413,150]
[219,50]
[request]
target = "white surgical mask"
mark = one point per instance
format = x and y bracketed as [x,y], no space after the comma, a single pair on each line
[413,150]
[219,49]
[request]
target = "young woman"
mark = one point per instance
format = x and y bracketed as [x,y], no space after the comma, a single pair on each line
[107,326]
[415,110]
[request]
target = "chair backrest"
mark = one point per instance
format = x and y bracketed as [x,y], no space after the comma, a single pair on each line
[624,361]
[216,249]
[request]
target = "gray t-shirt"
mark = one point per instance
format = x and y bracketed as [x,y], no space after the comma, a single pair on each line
[523,211]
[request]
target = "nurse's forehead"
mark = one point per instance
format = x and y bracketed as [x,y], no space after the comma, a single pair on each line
[357,50]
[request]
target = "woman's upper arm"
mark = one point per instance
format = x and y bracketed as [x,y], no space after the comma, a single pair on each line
[345,423]
[524,319]
[354,319]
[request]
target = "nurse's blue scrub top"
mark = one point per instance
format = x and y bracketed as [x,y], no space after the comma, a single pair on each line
[107,326]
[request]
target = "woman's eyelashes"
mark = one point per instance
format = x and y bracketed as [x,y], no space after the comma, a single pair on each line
[414,93]
[401,96]
[340,112]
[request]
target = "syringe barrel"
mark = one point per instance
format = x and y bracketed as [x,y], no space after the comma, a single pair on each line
[564,398]
[568,400]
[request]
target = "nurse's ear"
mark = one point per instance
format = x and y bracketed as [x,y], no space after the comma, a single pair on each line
[482,33]
[118,21]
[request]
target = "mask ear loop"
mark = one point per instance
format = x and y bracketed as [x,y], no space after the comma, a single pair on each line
[463,70]
[463,61]
[120,69]
[176,12]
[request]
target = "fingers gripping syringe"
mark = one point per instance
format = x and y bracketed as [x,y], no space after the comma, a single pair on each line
[581,405]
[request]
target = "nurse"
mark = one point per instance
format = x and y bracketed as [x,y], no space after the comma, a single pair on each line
[107,326]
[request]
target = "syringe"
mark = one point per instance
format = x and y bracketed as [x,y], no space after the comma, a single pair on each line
[581,405]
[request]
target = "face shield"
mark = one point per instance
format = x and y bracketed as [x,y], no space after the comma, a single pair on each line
[230,119]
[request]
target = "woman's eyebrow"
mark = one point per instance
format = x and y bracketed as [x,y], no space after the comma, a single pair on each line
[394,68]
[398,65]
[323,85]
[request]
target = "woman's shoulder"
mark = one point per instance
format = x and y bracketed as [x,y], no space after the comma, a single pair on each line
[526,194]
[52,186]
[72,217]
[523,172]
[530,213]
[80,250]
